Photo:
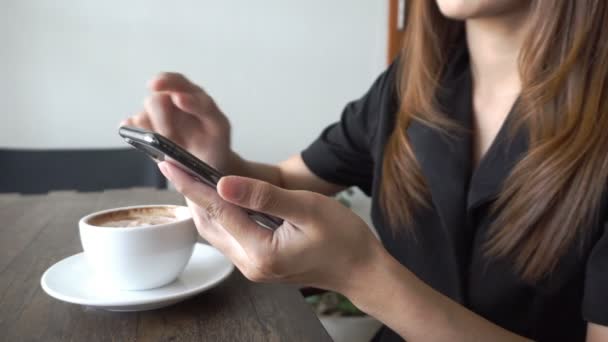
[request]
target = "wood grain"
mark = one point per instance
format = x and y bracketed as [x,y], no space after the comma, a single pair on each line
[38,231]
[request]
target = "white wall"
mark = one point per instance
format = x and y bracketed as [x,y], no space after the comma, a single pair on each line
[281,69]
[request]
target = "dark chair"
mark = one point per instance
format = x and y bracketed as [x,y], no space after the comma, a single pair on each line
[40,171]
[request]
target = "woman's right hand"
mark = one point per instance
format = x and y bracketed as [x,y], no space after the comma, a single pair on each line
[183,112]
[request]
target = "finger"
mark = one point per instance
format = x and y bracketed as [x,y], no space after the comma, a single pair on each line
[185,184]
[142,120]
[249,234]
[126,122]
[294,206]
[172,81]
[218,237]
[159,108]
[210,231]
[199,103]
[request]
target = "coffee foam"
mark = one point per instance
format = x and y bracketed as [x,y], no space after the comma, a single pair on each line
[136,217]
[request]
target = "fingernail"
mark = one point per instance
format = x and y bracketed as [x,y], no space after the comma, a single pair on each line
[164,169]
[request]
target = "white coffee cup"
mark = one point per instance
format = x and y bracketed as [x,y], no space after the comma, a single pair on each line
[138,257]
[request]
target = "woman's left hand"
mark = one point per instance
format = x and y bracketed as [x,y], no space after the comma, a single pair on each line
[321,243]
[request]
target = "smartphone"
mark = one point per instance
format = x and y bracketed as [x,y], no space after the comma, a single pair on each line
[159,148]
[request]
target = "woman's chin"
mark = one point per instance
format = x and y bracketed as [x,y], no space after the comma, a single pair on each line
[456,9]
[469,9]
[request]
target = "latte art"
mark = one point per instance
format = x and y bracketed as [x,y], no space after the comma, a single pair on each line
[136,217]
[139,221]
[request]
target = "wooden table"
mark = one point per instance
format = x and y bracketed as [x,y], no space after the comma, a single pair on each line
[36,231]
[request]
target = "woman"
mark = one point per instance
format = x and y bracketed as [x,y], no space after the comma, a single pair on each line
[485,151]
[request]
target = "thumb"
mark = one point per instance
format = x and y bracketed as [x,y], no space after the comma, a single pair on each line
[294,206]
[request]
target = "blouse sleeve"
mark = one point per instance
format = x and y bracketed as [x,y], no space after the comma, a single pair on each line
[342,153]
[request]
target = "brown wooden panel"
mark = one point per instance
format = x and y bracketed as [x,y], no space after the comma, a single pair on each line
[395,30]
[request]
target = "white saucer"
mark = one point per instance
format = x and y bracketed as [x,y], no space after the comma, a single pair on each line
[72,281]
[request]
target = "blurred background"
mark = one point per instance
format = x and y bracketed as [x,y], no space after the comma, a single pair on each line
[281,70]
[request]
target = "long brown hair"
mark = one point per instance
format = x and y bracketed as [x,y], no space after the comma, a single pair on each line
[553,193]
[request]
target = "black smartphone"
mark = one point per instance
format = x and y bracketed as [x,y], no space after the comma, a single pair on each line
[159,148]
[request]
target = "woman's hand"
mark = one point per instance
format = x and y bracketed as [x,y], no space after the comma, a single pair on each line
[184,113]
[325,245]
[321,243]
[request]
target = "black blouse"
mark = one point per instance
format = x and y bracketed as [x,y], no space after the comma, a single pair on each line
[447,251]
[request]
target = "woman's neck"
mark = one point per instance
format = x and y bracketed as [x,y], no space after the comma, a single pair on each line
[494,44]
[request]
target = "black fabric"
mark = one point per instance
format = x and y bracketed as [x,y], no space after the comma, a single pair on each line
[447,252]
[40,171]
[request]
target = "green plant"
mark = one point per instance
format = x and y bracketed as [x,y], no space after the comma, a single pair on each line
[344,197]
[333,304]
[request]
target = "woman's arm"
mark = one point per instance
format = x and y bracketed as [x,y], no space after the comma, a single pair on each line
[413,309]
[325,245]
[596,333]
[292,174]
